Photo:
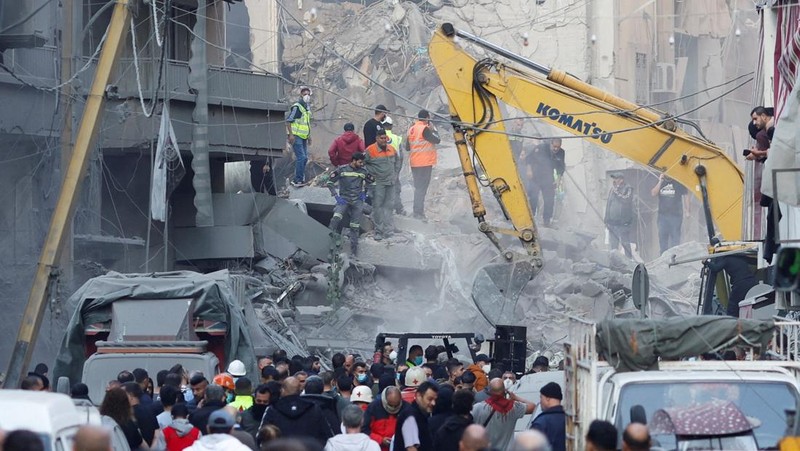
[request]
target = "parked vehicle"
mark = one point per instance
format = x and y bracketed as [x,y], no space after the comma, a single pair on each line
[627,371]
[53,416]
[154,321]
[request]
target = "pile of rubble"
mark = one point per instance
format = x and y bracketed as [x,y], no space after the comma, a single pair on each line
[421,279]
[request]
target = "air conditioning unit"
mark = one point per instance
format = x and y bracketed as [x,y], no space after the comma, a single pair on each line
[664,78]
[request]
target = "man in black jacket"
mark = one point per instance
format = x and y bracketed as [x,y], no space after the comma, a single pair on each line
[214,399]
[552,422]
[412,433]
[297,417]
[447,437]
[314,392]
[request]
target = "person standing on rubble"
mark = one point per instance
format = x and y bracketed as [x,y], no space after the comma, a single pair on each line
[345,145]
[383,164]
[545,168]
[352,179]
[619,214]
[372,126]
[421,141]
[395,141]
[298,126]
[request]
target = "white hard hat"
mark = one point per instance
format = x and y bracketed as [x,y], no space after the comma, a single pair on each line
[236,369]
[362,393]
[415,376]
[388,120]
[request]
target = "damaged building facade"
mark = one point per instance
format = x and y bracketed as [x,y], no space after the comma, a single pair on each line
[225,67]
[657,53]
[207,63]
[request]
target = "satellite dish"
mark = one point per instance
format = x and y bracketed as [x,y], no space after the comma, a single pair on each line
[640,288]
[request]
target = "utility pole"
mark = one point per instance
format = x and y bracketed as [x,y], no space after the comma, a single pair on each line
[68,196]
[65,106]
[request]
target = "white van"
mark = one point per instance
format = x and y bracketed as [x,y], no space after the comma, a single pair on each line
[53,416]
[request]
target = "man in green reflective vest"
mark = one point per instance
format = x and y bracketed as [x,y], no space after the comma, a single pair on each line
[395,141]
[298,126]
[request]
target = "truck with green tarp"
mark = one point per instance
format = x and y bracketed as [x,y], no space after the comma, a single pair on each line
[155,321]
[627,370]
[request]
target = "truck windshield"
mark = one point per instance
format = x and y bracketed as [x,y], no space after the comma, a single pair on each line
[100,369]
[761,401]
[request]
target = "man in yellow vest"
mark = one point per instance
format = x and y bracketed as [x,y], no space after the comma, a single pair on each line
[395,141]
[422,138]
[298,126]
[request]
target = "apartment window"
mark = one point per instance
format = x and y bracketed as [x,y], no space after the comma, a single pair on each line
[181,38]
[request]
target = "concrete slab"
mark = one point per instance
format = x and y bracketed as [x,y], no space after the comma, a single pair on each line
[313,196]
[285,229]
[385,254]
[218,242]
[229,209]
[410,224]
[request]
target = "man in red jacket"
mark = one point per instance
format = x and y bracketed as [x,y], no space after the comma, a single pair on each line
[345,145]
[380,418]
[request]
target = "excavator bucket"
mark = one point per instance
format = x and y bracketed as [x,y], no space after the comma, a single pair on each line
[497,287]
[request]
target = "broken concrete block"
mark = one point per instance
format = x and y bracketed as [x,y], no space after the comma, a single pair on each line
[565,287]
[285,229]
[266,265]
[583,267]
[591,288]
[396,255]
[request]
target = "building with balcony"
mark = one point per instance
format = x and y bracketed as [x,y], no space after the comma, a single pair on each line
[213,64]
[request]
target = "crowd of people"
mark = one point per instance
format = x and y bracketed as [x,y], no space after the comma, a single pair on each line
[429,402]
[366,168]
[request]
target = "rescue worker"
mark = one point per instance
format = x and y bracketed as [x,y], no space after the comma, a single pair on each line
[225,380]
[382,164]
[395,141]
[372,126]
[422,138]
[243,391]
[298,126]
[345,145]
[352,179]
[619,214]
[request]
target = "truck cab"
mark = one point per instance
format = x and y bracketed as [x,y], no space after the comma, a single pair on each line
[598,387]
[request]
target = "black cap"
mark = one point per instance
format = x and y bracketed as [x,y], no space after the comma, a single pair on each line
[381,109]
[617,175]
[40,369]
[349,127]
[423,114]
[79,391]
[483,358]
[541,361]
[552,390]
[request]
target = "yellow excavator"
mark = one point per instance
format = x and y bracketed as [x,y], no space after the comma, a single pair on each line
[474,89]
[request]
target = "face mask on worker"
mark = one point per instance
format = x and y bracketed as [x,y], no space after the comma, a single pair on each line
[230,397]
[361,378]
[507,383]
[306,98]
[393,356]
[418,360]
[486,368]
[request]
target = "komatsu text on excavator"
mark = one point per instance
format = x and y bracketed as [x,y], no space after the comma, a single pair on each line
[474,89]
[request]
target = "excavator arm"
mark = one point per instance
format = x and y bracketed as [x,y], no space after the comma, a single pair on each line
[474,89]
